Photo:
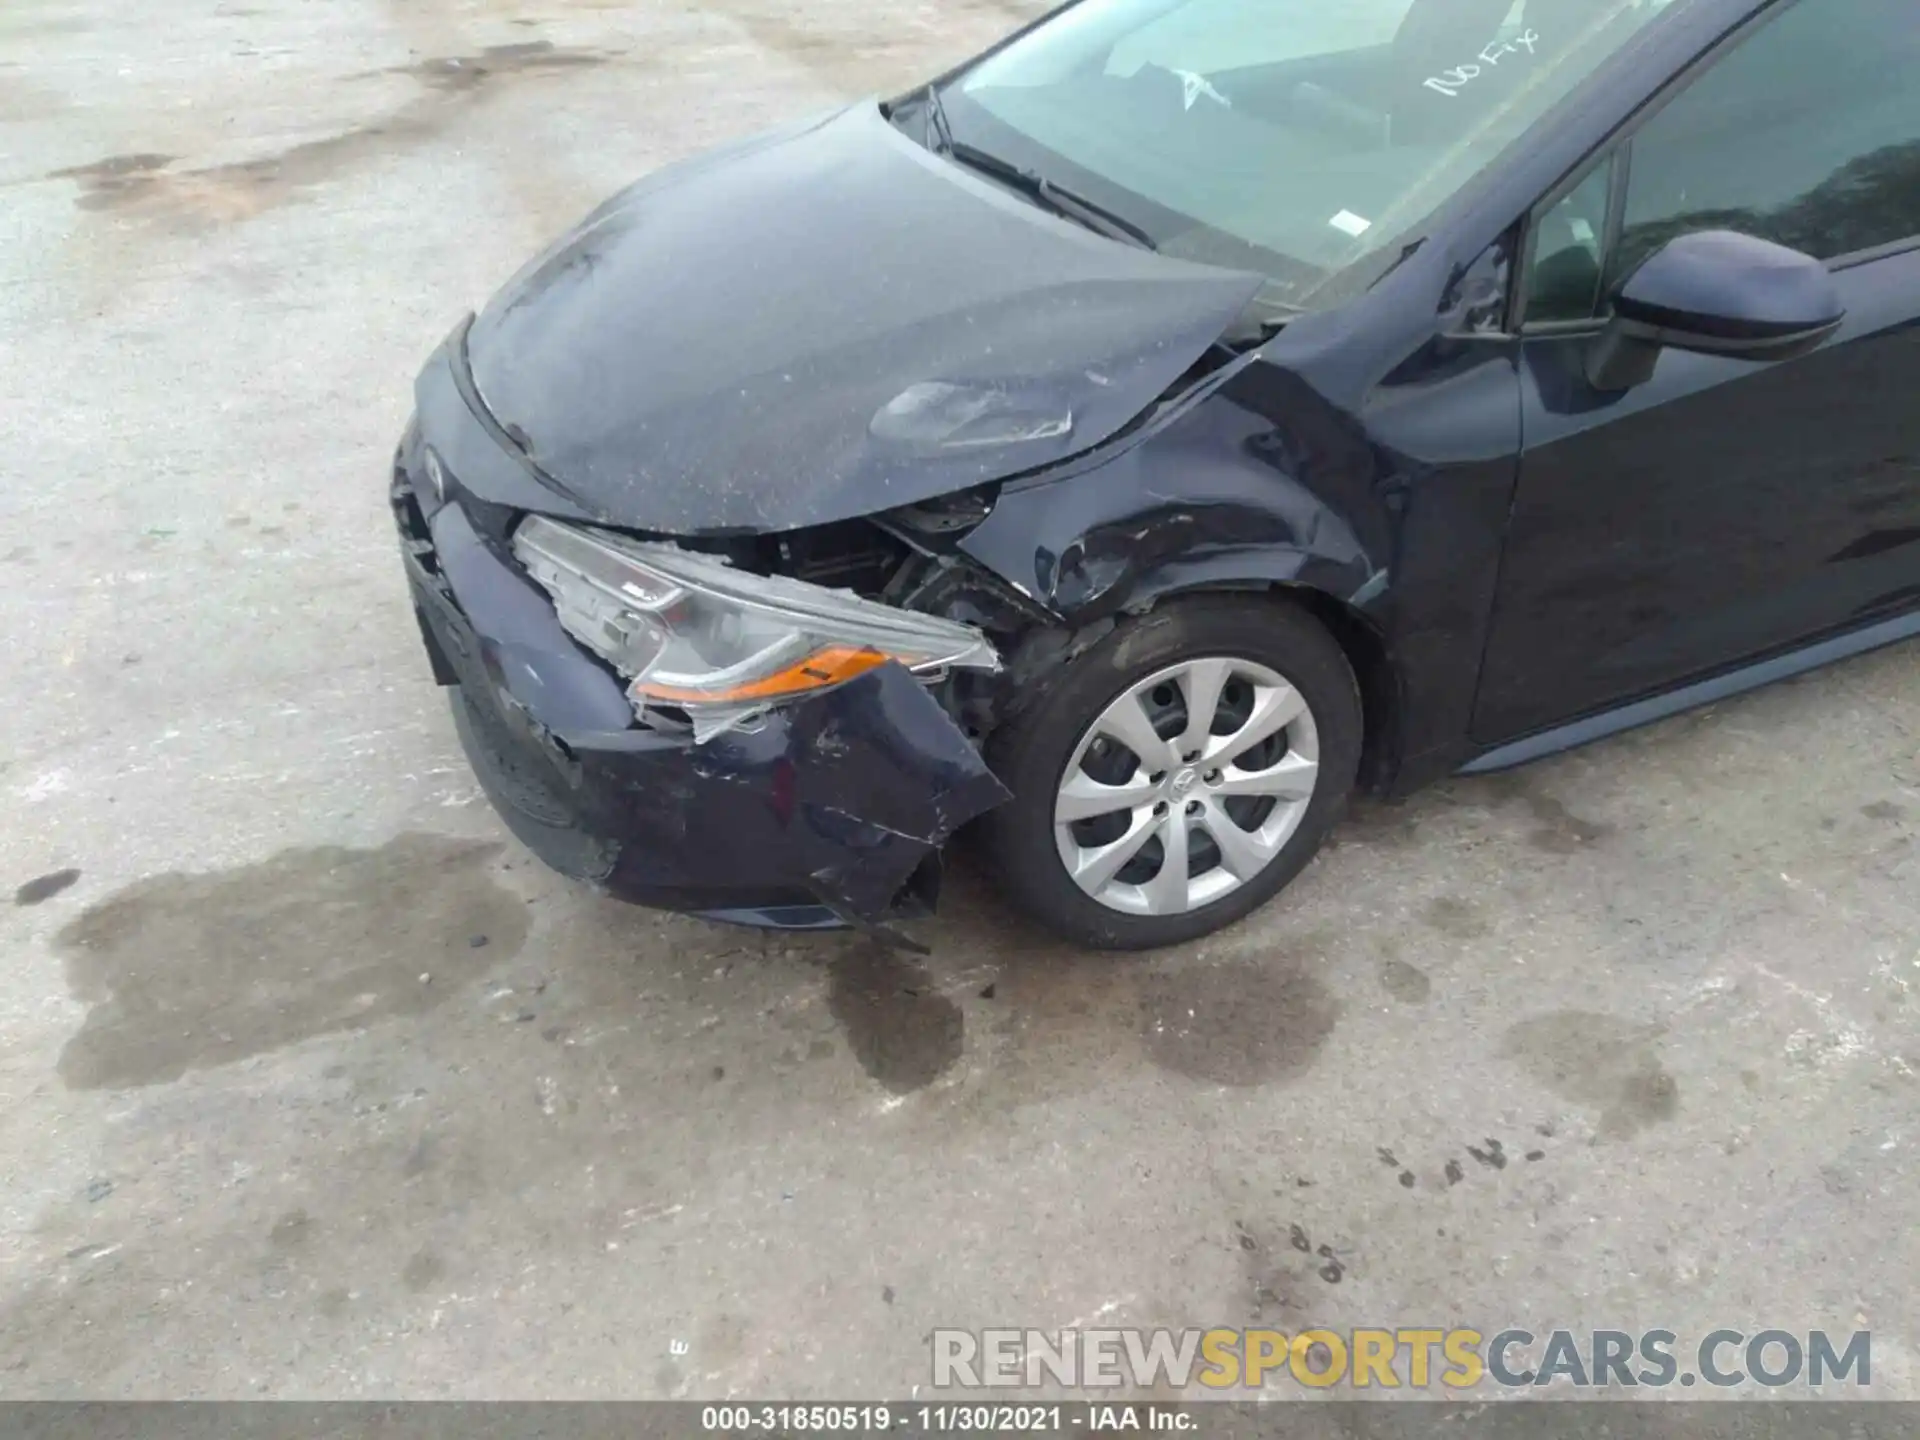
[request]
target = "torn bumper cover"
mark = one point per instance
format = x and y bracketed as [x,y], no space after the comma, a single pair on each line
[821,811]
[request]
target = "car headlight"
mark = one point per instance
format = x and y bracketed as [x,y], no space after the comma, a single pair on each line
[690,631]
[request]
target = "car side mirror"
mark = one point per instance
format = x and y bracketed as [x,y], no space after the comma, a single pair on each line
[1715,292]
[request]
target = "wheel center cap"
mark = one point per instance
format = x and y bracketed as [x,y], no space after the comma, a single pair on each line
[1184,780]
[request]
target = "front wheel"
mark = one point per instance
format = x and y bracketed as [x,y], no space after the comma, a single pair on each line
[1178,774]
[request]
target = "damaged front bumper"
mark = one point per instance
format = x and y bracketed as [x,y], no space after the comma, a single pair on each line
[828,810]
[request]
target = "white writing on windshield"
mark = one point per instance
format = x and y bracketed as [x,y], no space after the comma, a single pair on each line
[1452,82]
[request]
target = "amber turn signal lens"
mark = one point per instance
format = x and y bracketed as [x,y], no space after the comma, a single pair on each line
[828,666]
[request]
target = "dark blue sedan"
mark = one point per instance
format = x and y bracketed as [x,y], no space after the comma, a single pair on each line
[1126,445]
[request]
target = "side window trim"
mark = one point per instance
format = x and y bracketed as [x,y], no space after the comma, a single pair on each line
[1619,161]
[1621,139]
[1617,189]
[1854,259]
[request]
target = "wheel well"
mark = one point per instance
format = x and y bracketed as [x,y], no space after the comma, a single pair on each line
[1362,645]
[1366,652]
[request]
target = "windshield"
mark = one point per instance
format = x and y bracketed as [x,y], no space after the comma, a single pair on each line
[1305,139]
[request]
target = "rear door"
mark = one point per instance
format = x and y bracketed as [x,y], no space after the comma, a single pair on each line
[1724,509]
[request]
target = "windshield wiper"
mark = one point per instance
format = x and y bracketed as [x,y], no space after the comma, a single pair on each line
[1054,196]
[940,133]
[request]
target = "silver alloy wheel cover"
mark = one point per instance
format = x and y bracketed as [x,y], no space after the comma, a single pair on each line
[1188,794]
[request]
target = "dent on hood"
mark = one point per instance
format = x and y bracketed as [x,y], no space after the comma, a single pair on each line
[935,415]
[826,325]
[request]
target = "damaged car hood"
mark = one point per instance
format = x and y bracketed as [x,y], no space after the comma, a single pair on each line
[827,323]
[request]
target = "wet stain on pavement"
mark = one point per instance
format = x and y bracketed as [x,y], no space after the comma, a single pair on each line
[19,27]
[1406,983]
[188,971]
[1558,830]
[1273,1283]
[854,60]
[1599,1061]
[423,1271]
[1392,1162]
[148,184]
[1059,1020]
[44,887]
[1332,1271]
[1236,1024]
[1395,824]
[722,1341]
[468,72]
[1494,1157]
[237,190]
[114,171]
[291,1231]
[1455,917]
[1561,831]
[842,61]
[904,1033]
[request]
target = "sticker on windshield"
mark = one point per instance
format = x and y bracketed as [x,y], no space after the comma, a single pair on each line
[1452,82]
[1198,85]
[1351,223]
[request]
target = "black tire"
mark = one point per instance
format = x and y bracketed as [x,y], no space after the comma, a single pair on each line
[1031,751]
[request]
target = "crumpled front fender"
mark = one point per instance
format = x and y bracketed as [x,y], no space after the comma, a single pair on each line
[860,785]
